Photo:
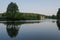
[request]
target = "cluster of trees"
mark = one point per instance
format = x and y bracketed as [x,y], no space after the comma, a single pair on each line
[51,17]
[29,16]
[13,13]
[22,16]
[55,16]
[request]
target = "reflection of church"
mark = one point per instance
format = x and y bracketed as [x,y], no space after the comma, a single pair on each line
[12,29]
[58,24]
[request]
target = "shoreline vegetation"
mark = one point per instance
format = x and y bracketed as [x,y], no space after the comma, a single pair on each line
[12,13]
[21,16]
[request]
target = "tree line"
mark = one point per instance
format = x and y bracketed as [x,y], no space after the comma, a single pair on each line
[12,13]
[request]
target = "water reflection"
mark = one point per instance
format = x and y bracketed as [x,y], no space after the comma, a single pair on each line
[13,27]
[45,30]
[58,24]
[53,21]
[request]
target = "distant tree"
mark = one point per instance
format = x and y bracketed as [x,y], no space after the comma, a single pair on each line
[58,14]
[12,9]
[53,17]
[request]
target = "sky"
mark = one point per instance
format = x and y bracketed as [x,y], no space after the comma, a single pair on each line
[46,7]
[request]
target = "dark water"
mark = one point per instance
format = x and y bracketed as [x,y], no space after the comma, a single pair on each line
[47,29]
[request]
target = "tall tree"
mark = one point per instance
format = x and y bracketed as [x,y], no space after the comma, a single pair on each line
[58,14]
[12,9]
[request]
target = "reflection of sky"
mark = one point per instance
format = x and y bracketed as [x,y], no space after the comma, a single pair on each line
[39,6]
[43,30]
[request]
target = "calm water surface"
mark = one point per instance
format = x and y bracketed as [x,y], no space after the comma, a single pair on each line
[47,29]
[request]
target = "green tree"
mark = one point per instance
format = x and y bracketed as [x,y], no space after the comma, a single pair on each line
[53,17]
[12,9]
[58,14]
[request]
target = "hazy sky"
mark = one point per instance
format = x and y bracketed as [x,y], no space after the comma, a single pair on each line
[47,7]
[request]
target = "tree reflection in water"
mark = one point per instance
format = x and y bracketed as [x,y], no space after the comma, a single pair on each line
[58,24]
[12,28]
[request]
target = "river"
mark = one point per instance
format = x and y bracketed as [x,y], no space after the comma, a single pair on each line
[47,29]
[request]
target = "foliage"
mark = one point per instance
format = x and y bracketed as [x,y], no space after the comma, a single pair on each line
[24,16]
[51,17]
[58,14]
[54,17]
[27,16]
[13,13]
[12,9]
